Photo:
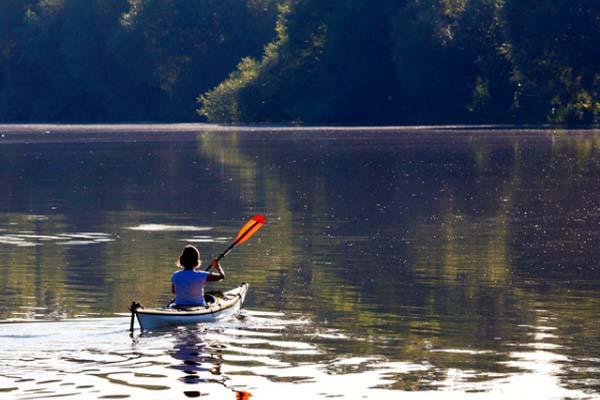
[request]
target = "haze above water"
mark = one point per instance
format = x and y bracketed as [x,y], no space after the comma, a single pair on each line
[415,262]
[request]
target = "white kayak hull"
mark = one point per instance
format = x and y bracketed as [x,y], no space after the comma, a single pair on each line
[227,305]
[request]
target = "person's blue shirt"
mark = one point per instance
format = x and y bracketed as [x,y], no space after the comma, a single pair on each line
[189,287]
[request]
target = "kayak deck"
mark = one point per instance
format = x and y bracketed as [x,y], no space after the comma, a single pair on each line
[225,305]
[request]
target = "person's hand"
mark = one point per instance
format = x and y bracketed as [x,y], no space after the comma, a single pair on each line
[220,273]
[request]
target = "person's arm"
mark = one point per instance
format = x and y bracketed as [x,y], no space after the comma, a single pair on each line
[216,276]
[173,288]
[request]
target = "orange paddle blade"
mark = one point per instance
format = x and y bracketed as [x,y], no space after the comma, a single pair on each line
[243,395]
[250,228]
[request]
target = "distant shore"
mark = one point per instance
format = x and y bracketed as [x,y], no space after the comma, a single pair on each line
[198,126]
[25,133]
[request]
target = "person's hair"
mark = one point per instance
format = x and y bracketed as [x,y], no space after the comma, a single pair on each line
[189,258]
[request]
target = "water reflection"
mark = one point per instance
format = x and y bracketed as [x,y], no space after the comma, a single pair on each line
[201,362]
[197,357]
[169,228]
[260,355]
[31,239]
[444,261]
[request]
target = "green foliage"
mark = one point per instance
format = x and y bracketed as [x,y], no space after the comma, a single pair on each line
[310,74]
[322,62]
[453,51]
[555,52]
[98,60]
[421,61]
[222,103]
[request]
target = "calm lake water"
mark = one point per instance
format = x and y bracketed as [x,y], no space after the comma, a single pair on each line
[396,263]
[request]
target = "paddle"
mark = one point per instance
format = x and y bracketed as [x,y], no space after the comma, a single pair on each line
[245,233]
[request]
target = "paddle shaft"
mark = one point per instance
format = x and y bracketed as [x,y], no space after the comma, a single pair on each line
[223,254]
[232,245]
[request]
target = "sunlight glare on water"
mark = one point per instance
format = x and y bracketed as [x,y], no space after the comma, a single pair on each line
[259,354]
[169,228]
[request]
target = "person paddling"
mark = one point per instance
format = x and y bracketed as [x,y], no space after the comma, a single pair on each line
[188,284]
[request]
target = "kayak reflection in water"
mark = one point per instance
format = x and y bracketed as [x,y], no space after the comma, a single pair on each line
[188,284]
[196,356]
[201,362]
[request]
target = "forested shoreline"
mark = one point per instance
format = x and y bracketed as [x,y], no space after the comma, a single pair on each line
[300,61]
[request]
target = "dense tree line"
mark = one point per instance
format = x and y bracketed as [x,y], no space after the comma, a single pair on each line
[304,61]
[421,61]
[122,60]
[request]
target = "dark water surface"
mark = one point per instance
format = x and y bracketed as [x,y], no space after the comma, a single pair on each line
[397,263]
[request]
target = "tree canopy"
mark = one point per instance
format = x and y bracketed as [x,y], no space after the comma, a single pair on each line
[300,61]
[122,60]
[421,61]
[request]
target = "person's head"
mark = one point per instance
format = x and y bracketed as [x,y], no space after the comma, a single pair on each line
[189,258]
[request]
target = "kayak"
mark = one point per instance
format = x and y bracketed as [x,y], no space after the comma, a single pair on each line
[219,306]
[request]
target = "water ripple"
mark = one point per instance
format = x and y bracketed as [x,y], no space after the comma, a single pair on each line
[261,354]
[168,228]
[30,239]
